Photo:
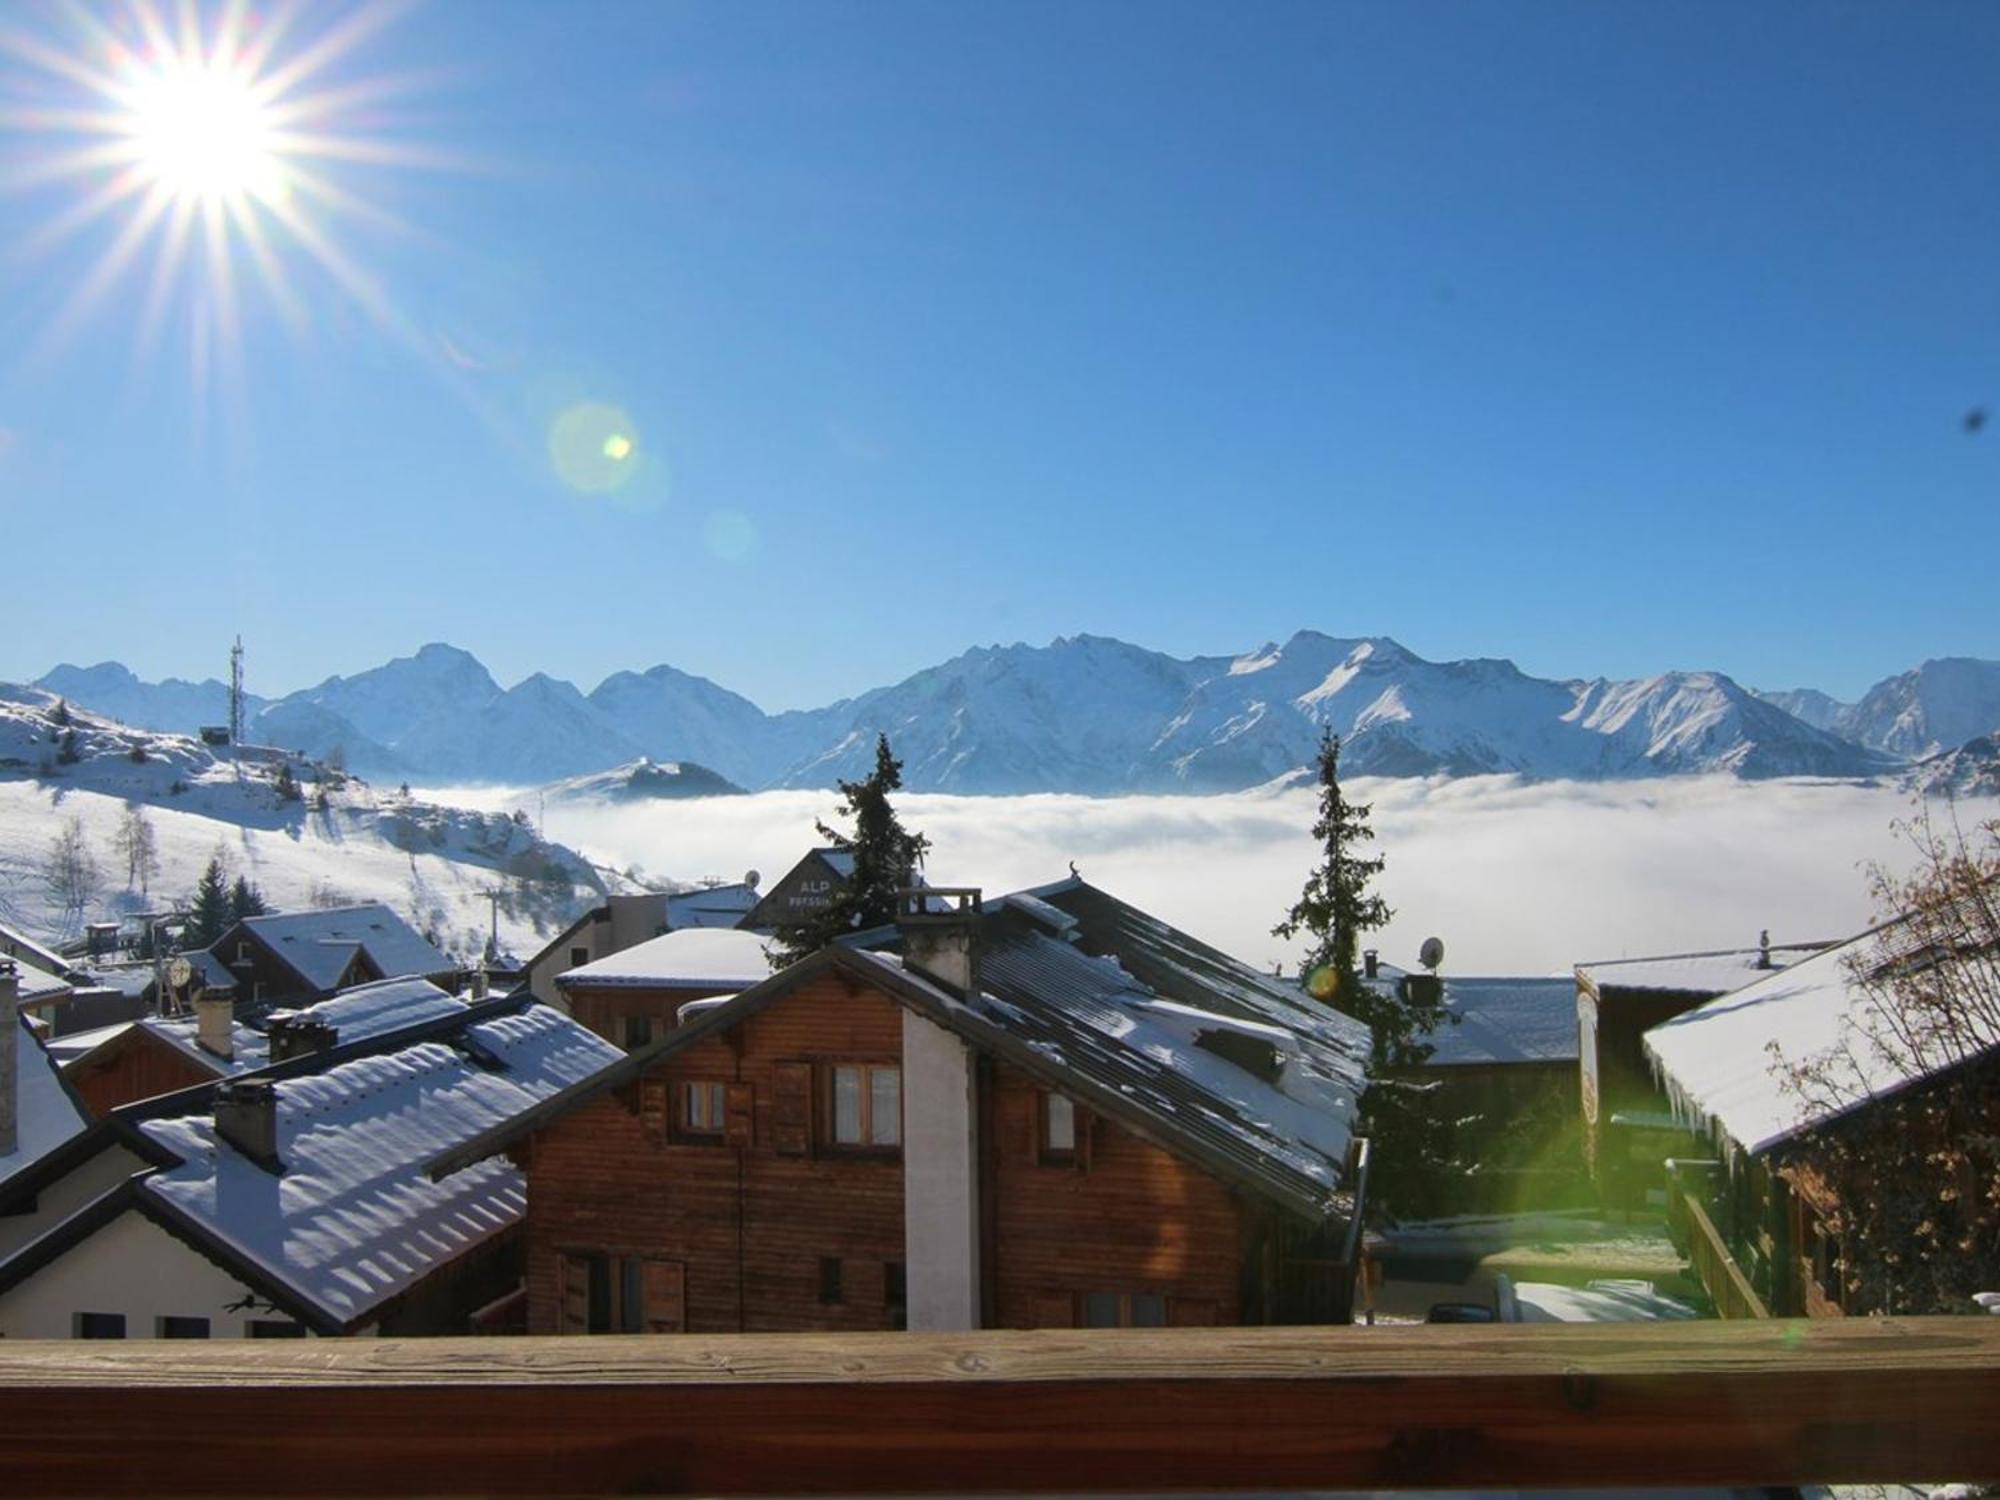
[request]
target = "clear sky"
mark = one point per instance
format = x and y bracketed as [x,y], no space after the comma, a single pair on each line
[1611,338]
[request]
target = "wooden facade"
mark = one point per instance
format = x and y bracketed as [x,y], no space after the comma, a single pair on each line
[629,1015]
[707,1195]
[134,1065]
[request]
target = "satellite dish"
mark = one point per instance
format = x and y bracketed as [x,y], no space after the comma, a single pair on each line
[1431,954]
[750,878]
[179,972]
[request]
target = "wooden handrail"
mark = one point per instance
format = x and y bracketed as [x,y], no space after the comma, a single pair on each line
[1717,1268]
[1862,1400]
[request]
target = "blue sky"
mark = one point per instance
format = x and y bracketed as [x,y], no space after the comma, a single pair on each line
[1608,338]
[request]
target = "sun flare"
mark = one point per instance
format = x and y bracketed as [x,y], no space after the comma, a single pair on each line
[211,143]
[202,131]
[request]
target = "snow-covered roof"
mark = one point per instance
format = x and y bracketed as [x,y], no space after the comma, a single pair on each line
[350,1219]
[1717,1063]
[36,984]
[23,949]
[711,906]
[356,1014]
[1714,973]
[704,958]
[321,944]
[67,1049]
[46,1113]
[1507,1021]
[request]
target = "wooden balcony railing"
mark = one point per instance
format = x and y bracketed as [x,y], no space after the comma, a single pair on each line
[1863,1400]
[1714,1266]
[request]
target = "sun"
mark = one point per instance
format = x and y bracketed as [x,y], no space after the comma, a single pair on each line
[223,141]
[203,131]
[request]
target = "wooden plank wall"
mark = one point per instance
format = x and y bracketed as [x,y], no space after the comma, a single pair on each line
[140,1067]
[751,1225]
[1129,1217]
[1688,1404]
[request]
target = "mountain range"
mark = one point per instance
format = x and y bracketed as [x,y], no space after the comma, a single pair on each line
[1092,715]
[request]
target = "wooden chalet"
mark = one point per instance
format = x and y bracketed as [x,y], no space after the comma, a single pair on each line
[1628,1125]
[810,886]
[1050,1111]
[294,958]
[1762,1226]
[635,996]
[624,922]
[164,1054]
[293,1200]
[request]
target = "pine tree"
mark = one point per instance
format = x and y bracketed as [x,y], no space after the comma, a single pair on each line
[245,900]
[287,785]
[886,860]
[211,914]
[1411,1144]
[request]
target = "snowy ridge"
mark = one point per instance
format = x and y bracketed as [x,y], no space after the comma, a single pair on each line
[1093,715]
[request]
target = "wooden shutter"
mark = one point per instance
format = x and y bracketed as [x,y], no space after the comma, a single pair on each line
[791,1109]
[572,1294]
[654,1102]
[666,1296]
[739,1117]
[1055,1310]
[1190,1312]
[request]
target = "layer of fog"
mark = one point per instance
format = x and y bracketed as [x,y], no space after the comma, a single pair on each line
[1520,878]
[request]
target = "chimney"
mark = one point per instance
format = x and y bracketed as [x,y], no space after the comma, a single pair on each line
[215,1023]
[1371,963]
[940,930]
[294,1034]
[1764,949]
[10,1049]
[246,1116]
[479,984]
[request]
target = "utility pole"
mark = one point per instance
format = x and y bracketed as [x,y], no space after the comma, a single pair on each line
[236,705]
[493,894]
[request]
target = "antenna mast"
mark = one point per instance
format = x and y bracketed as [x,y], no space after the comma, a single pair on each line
[236,692]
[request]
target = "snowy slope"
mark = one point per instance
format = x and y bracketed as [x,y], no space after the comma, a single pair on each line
[642,781]
[1809,705]
[677,716]
[433,864]
[1932,708]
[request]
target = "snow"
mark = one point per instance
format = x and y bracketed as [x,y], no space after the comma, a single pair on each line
[356,1014]
[1611,1300]
[1718,1066]
[46,1113]
[32,983]
[353,1218]
[1713,973]
[691,957]
[321,944]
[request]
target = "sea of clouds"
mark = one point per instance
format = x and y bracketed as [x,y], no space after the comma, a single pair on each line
[1516,877]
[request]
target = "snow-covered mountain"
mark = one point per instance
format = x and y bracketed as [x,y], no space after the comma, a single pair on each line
[1094,715]
[1928,710]
[644,780]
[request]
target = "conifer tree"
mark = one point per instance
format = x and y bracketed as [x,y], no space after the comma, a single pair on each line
[1412,1144]
[211,913]
[886,860]
[245,900]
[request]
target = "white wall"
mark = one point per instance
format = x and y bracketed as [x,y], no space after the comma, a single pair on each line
[130,1266]
[89,1180]
[940,1178]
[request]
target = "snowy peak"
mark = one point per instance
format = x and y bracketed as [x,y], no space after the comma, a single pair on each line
[173,706]
[1931,709]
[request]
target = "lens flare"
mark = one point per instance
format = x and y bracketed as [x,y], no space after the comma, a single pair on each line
[594,448]
[1323,983]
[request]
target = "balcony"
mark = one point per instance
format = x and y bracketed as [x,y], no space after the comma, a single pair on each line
[1214,1410]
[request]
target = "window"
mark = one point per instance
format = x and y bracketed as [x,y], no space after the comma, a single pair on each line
[1058,1131]
[1124,1310]
[865,1106]
[578,957]
[606,1293]
[703,1108]
[182,1328]
[830,1290]
[100,1325]
[895,1293]
[275,1328]
[638,1032]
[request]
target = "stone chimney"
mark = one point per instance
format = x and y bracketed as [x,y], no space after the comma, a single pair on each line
[294,1034]
[246,1116]
[940,931]
[10,1050]
[215,1023]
